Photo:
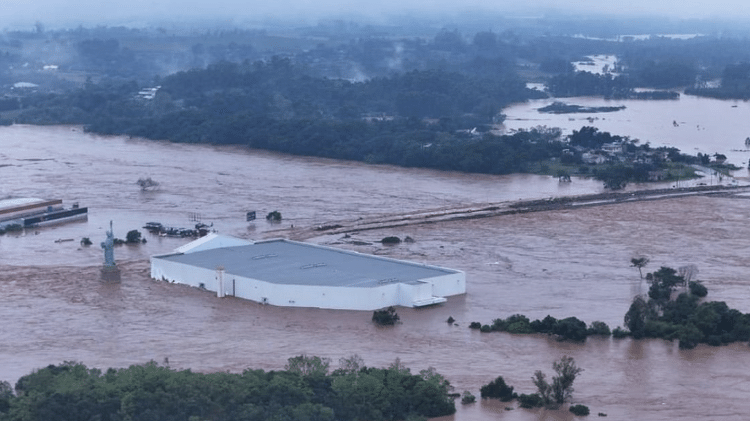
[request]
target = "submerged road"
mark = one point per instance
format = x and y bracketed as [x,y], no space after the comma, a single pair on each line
[502,208]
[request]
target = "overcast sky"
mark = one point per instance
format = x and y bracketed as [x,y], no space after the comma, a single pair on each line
[55,13]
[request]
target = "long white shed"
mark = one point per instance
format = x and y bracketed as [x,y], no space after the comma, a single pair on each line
[294,274]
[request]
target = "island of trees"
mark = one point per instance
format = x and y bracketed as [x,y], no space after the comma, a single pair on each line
[674,309]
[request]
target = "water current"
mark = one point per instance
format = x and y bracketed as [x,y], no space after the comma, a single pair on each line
[566,263]
[691,124]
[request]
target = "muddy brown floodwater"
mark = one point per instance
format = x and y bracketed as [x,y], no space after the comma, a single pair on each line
[564,263]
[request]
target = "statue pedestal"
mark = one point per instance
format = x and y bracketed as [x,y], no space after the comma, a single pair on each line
[110,274]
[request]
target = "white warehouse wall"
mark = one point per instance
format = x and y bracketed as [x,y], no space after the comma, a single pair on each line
[449,284]
[331,297]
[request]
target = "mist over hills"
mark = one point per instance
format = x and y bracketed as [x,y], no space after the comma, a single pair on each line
[21,14]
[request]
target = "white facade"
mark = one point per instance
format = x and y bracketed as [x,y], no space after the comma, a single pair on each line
[309,292]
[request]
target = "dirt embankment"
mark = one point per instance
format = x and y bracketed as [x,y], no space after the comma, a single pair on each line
[502,208]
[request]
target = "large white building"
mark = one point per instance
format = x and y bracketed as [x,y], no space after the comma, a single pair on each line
[289,273]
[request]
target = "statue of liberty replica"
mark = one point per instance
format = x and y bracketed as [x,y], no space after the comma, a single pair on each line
[110,271]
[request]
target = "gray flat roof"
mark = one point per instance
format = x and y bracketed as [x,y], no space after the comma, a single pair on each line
[294,263]
[20,201]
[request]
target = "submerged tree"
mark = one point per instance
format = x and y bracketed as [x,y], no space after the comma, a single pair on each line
[385,317]
[497,389]
[467,398]
[561,388]
[639,313]
[688,272]
[562,384]
[640,263]
[663,283]
[133,237]
[147,184]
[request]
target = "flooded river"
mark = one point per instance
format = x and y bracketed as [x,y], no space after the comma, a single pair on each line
[567,263]
[692,124]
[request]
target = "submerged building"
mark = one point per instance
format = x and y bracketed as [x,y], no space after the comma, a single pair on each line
[28,212]
[290,273]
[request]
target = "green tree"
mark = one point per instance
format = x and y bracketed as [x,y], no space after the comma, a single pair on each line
[638,314]
[598,328]
[680,310]
[274,216]
[385,317]
[561,389]
[544,389]
[571,328]
[6,395]
[308,366]
[351,364]
[663,282]
[689,336]
[640,263]
[133,236]
[497,389]
[530,401]
[467,398]
[562,384]
[697,289]
[580,410]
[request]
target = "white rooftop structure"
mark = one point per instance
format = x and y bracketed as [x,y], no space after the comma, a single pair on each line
[17,207]
[19,201]
[25,85]
[289,273]
[211,241]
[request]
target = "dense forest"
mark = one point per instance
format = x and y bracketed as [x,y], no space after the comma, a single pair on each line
[430,119]
[411,119]
[378,94]
[304,391]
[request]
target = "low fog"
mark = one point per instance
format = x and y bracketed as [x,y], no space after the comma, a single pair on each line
[52,13]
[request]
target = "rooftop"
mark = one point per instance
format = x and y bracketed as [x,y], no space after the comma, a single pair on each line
[19,201]
[293,263]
